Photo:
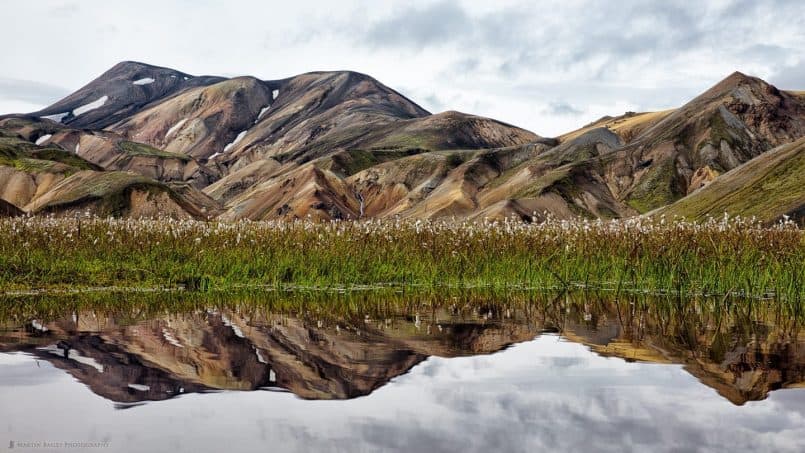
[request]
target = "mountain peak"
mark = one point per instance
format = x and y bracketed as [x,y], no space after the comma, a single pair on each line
[738,75]
[132,63]
[733,81]
[117,93]
[129,67]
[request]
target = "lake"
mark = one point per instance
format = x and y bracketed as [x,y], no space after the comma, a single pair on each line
[377,372]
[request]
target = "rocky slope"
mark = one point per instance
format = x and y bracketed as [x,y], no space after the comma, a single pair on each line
[110,151]
[47,178]
[733,122]
[767,187]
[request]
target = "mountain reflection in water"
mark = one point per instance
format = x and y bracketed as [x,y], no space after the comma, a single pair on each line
[741,352]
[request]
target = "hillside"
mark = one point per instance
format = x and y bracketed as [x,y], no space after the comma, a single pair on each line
[110,151]
[627,126]
[767,187]
[735,121]
[48,179]
[112,193]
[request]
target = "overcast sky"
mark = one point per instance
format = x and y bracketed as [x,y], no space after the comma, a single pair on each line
[548,66]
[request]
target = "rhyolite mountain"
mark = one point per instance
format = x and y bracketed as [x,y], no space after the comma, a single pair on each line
[141,140]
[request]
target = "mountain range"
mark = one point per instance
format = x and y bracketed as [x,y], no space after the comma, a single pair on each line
[144,141]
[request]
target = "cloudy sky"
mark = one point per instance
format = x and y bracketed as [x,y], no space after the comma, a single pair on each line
[543,395]
[548,66]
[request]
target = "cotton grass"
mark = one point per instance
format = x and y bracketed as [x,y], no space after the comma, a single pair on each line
[719,256]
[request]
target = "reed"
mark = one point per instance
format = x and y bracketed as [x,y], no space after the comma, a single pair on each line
[717,257]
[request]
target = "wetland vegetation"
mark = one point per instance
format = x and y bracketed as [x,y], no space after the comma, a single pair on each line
[727,256]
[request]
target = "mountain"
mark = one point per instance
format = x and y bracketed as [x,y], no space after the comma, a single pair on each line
[341,145]
[634,163]
[237,121]
[733,122]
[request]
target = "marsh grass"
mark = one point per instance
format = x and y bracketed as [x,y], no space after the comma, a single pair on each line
[679,319]
[717,257]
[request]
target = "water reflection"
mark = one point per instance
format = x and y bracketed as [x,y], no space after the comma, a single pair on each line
[343,351]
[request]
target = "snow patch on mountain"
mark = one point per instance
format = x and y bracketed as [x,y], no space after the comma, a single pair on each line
[260,357]
[235,142]
[274,94]
[144,81]
[43,139]
[57,117]
[175,127]
[98,103]
[262,112]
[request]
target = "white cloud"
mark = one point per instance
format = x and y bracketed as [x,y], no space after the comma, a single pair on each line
[511,60]
[543,395]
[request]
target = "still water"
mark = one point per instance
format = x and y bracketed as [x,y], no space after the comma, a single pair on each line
[563,374]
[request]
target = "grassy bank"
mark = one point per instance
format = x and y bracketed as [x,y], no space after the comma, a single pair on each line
[715,257]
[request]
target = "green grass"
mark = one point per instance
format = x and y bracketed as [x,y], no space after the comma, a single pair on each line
[347,163]
[137,307]
[25,156]
[657,188]
[636,255]
[29,165]
[62,156]
[406,139]
[140,149]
